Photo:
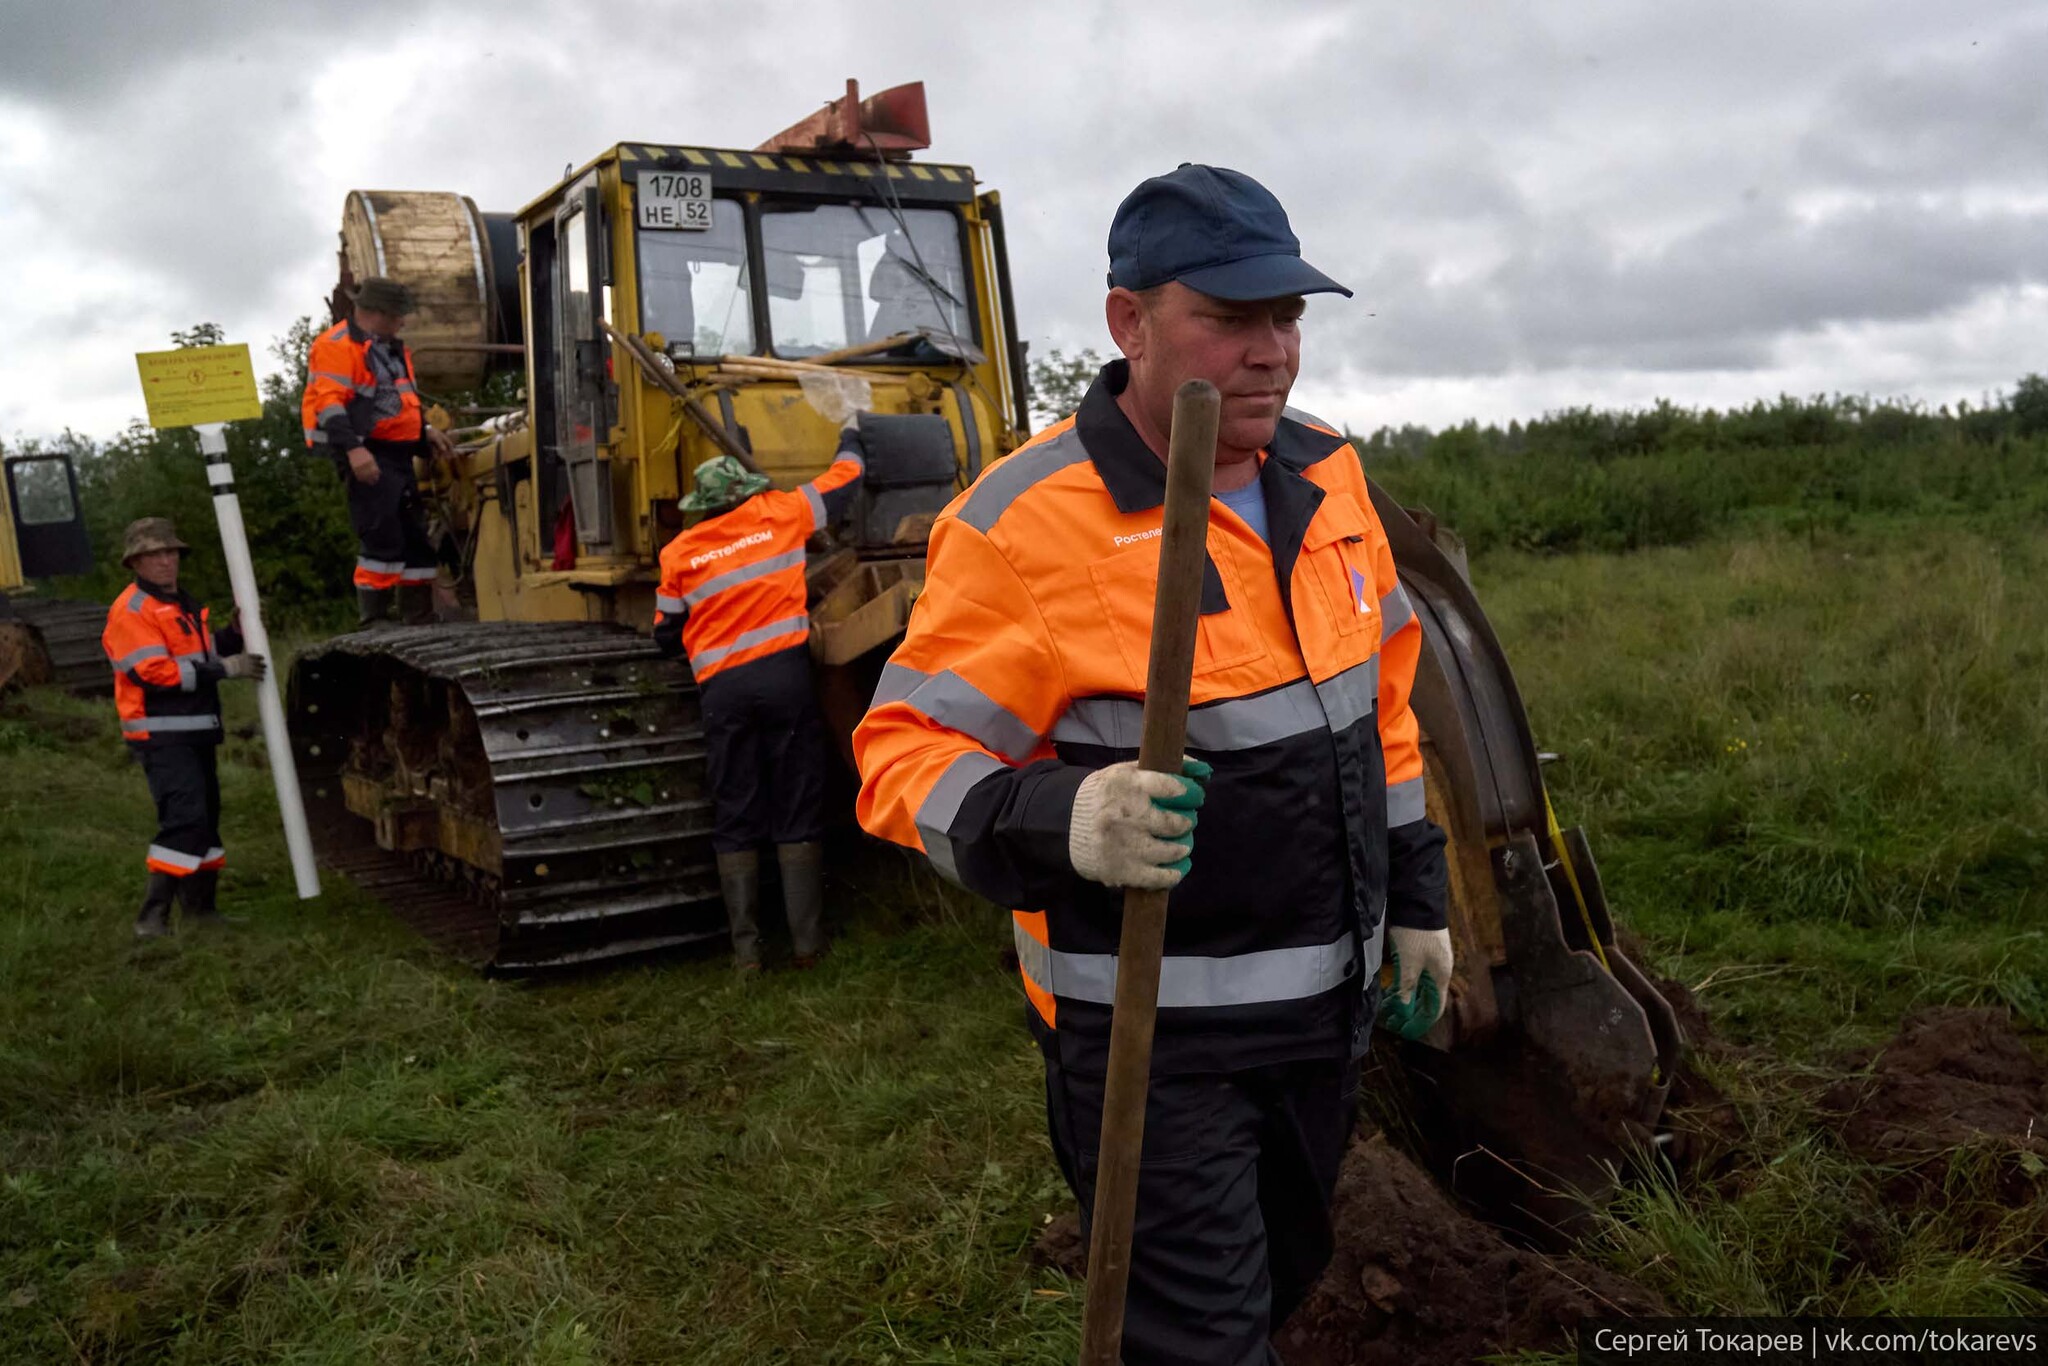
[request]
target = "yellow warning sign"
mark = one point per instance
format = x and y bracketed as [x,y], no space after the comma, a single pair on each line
[198,384]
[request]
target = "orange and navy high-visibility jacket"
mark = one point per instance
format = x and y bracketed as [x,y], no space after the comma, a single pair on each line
[1024,669]
[358,391]
[732,586]
[167,667]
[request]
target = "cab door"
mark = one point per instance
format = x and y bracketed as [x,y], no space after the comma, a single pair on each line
[48,525]
[582,386]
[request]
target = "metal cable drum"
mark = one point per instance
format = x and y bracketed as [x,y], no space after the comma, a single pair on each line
[439,245]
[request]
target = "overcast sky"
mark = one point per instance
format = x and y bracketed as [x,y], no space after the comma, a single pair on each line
[1538,206]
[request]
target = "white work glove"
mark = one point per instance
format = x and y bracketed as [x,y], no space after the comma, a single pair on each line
[1422,980]
[245,665]
[1135,828]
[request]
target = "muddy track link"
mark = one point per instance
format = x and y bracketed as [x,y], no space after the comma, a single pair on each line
[71,637]
[551,773]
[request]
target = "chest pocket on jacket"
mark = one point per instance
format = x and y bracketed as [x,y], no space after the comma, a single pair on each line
[1125,584]
[1336,556]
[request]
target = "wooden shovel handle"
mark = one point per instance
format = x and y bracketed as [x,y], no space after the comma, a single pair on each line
[1176,607]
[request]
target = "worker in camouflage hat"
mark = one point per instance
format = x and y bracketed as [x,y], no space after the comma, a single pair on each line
[722,483]
[168,661]
[362,409]
[731,601]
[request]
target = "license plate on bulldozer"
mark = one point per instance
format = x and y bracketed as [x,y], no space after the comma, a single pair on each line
[675,199]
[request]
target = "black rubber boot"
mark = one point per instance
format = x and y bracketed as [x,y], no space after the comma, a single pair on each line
[416,603]
[154,920]
[373,606]
[803,898]
[739,881]
[198,895]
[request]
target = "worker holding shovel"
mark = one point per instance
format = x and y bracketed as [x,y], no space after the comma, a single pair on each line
[1004,742]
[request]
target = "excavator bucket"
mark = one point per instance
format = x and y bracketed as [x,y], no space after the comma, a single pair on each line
[1552,1063]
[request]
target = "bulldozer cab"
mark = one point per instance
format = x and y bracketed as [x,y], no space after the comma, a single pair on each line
[670,290]
[43,524]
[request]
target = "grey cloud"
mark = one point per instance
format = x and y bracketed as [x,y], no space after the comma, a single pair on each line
[1513,190]
[1720,298]
[71,52]
[1972,116]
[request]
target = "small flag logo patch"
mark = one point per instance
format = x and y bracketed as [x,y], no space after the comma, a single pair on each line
[1358,589]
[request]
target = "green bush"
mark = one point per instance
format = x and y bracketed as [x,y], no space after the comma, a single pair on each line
[1583,479]
[291,501]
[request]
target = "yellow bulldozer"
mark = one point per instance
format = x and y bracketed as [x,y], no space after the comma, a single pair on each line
[42,535]
[665,303]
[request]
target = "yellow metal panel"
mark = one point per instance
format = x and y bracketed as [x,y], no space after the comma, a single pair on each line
[695,157]
[198,384]
[729,159]
[766,163]
[921,172]
[948,173]
[10,554]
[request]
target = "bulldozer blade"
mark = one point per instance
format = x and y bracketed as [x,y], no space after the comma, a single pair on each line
[1551,1068]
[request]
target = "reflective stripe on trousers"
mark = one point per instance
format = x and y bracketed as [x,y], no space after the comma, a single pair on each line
[172,862]
[1193,981]
[157,723]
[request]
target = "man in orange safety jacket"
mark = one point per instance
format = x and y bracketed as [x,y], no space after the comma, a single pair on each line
[1002,741]
[732,601]
[167,666]
[362,408]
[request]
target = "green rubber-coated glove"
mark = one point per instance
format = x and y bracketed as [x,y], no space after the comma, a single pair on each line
[1422,963]
[1135,828]
[1193,775]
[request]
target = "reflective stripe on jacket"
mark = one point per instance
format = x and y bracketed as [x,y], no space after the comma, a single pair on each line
[166,667]
[732,586]
[1024,669]
[354,396]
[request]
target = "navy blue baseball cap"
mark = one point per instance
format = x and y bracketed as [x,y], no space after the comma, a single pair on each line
[1216,231]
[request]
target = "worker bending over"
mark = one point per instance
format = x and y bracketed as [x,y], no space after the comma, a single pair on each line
[732,600]
[167,665]
[1003,737]
[362,408]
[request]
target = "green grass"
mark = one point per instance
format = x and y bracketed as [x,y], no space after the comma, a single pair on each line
[1812,769]
[1815,771]
[311,1140]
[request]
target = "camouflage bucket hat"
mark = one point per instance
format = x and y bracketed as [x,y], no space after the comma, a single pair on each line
[722,482]
[381,295]
[148,534]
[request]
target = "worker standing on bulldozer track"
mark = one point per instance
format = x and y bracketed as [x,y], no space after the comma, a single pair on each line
[732,601]
[168,663]
[361,406]
[1003,736]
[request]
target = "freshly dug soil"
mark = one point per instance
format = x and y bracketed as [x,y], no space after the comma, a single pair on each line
[1416,1280]
[1952,1077]
[1954,1082]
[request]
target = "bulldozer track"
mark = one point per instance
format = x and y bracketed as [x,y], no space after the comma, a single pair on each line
[548,778]
[71,637]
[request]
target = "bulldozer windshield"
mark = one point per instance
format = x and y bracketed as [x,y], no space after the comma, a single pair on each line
[696,288]
[841,274]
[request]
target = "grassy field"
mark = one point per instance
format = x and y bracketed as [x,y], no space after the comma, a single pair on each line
[1814,768]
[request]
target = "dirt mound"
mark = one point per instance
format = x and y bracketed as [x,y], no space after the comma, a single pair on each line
[1952,1078]
[1416,1280]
